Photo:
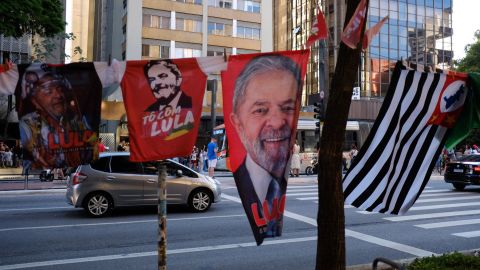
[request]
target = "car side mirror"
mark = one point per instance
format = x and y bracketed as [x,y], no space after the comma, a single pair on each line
[179,173]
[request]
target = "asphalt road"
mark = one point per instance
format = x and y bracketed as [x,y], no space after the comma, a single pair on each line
[38,230]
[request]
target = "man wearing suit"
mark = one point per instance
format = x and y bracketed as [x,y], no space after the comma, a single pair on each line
[265,102]
[165,79]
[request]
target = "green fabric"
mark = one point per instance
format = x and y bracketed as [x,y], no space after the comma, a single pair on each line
[470,117]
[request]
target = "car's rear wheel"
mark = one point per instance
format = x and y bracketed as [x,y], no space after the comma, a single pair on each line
[458,186]
[98,204]
[200,200]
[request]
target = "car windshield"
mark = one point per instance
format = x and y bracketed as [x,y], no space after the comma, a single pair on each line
[470,158]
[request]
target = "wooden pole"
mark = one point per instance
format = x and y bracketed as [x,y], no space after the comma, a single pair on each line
[331,216]
[162,216]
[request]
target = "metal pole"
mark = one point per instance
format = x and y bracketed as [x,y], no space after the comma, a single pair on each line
[214,105]
[162,216]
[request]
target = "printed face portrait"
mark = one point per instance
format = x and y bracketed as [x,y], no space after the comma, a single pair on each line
[49,96]
[265,116]
[164,79]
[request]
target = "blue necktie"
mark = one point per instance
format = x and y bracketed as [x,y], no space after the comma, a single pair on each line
[273,227]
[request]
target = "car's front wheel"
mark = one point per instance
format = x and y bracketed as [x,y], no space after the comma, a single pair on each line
[458,186]
[98,204]
[200,200]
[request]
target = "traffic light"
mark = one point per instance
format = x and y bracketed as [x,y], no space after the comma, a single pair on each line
[318,114]
[318,110]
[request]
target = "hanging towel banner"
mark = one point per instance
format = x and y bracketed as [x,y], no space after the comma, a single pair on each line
[59,113]
[395,163]
[163,100]
[261,99]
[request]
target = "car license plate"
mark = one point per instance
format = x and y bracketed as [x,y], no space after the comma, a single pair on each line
[458,170]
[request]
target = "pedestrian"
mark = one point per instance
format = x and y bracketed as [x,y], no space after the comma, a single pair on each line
[121,146]
[205,159]
[468,150]
[201,160]
[212,149]
[295,164]
[101,146]
[193,158]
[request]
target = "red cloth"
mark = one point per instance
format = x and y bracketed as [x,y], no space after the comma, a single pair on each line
[370,33]
[101,148]
[157,134]
[351,33]
[448,109]
[319,29]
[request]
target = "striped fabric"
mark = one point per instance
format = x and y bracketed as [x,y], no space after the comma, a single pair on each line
[395,163]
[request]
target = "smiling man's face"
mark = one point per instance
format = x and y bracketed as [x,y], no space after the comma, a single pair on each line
[162,81]
[265,117]
[49,97]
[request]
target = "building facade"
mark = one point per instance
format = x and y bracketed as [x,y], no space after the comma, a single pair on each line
[153,29]
[418,31]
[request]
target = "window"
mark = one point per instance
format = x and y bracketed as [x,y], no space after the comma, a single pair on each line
[187,52]
[121,164]
[172,169]
[150,167]
[189,25]
[221,29]
[155,21]
[196,2]
[101,164]
[155,51]
[220,3]
[248,32]
[248,6]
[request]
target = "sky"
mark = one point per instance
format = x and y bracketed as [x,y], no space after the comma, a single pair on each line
[466,20]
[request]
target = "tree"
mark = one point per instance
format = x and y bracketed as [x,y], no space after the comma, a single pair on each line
[471,61]
[41,17]
[331,216]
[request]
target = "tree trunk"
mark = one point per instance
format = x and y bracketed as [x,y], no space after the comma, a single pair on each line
[331,217]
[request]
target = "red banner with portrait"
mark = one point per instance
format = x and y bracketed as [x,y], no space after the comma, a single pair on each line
[59,113]
[163,100]
[261,99]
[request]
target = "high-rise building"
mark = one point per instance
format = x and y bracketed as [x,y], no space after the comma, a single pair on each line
[419,31]
[153,29]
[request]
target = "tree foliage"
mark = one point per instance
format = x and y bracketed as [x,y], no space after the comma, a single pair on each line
[471,61]
[41,17]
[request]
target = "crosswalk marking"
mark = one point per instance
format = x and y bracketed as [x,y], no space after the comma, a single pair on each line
[296,187]
[302,194]
[444,194]
[447,199]
[434,215]
[308,198]
[429,195]
[435,190]
[301,190]
[468,234]
[449,223]
[442,206]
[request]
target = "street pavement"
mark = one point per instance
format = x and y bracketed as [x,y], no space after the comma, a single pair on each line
[39,230]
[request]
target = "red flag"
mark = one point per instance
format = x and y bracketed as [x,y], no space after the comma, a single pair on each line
[163,101]
[370,33]
[450,102]
[319,29]
[351,33]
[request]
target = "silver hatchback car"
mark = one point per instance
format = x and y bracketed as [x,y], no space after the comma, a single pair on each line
[114,181]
